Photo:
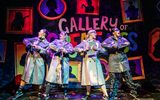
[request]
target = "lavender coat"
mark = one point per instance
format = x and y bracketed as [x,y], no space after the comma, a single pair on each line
[34,71]
[59,68]
[118,61]
[92,73]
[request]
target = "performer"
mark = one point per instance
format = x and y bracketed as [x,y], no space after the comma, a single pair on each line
[118,62]
[34,70]
[59,68]
[92,74]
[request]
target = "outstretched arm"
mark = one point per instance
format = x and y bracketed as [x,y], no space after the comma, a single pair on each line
[123,42]
[80,47]
[109,43]
[29,41]
[69,48]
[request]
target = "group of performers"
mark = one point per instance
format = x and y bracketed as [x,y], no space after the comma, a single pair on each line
[91,75]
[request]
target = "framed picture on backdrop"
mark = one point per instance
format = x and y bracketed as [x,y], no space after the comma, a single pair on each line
[52,9]
[105,68]
[136,67]
[75,71]
[20,55]
[131,11]
[90,7]
[19,20]
[3,46]
[154,44]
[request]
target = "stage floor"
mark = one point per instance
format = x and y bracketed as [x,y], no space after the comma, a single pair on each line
[77,94]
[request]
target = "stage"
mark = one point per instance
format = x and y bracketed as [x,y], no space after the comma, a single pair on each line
[77,94]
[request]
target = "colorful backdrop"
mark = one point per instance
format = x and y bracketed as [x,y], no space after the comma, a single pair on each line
[138,21]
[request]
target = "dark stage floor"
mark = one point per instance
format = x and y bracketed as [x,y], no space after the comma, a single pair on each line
[77,94]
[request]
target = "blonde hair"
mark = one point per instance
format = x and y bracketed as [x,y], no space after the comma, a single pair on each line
[90,32]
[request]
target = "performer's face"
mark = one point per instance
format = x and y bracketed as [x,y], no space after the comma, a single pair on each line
[116,33]
[41,34]
[62,36]
[92,36]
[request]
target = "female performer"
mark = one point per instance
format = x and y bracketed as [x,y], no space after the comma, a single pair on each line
[59,68]
[92,74]
[34,70]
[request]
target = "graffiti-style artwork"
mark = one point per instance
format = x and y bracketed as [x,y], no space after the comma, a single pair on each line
[90,7]
[19,21]
[20,56]
[105,68]
[136,67]
[52,36]
[131,11]
[3,46]
[52,9]
[154,44]
[75,71]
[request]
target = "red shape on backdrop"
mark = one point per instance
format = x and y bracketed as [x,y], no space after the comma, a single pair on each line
[90,7]
[154,44]
[73,37]
[99,33]
[19,20]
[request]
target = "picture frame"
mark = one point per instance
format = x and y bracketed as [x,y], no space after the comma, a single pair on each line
[3,45]
[153,45]
[136,67]
[137,71]
[131,11]
[46,8]
[19,20]
[75,71]
[88,7]
[20,54]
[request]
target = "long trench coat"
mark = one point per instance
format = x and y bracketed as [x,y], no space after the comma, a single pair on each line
[59,68]
[118,61]
[92,73]
[34,71]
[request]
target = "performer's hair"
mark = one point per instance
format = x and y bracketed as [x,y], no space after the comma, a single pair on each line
[115,29]
[64,33]
[91,31]
[45,31]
